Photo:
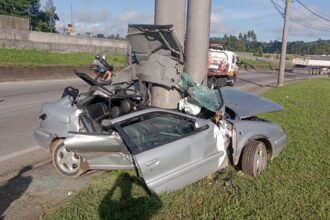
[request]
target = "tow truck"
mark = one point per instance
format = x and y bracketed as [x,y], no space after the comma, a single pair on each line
[222,67]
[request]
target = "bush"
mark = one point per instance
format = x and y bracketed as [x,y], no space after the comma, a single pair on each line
[258,51]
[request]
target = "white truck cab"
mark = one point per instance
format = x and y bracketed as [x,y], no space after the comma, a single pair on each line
[222,66]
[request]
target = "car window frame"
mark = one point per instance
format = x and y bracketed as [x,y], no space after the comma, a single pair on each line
[133,148]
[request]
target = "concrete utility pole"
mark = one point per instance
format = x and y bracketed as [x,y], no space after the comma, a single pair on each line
[284,43]
[172,12]
[197,42]
[169,12]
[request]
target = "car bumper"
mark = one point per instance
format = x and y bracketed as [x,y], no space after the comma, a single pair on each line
[222,80]
[279,143]
[44,138]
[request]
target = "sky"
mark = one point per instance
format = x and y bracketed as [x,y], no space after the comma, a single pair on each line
[228,17]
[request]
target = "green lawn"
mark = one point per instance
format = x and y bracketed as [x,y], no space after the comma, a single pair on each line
[257,64]
[32,58]
[296,185]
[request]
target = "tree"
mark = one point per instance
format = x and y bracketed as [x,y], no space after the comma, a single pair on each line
[242,44]
[258,51]
[249,35]
[240,36]
[245,37]
[34,13]
[50,15]
[21,8]
[40,20]
[253,36]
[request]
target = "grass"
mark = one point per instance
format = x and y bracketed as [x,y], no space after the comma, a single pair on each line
[248,55]
[33,58]
[295,185]
[257,64]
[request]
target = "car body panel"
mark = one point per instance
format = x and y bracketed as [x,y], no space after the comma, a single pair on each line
[44,138]
[101,151]
[166,167]
[89,142]
[108,161]
[60,117]
[246,104]
[159,56]
[246,130]
[179,176]
[176,164]
[148,39]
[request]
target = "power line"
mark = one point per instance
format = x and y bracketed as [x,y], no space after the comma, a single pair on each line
[306,19]
[298,20]
[312,11]
[317,27]
[278,8]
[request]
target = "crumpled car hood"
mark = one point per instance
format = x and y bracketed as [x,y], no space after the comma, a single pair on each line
[158,53]
[148,39]
[246,104]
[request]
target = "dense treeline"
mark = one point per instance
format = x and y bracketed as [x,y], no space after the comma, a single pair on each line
[40,19]
[247,42]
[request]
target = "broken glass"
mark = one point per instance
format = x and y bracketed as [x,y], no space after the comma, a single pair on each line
[205,97]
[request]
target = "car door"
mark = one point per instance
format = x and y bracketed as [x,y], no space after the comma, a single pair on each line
[171,150]
[100,151]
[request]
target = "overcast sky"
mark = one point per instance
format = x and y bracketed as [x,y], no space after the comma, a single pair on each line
[228,16]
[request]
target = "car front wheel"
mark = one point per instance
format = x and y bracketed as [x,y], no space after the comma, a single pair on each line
[65,162]
[254,158]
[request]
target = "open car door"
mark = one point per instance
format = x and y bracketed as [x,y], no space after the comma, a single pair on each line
[172,150]
[100,151]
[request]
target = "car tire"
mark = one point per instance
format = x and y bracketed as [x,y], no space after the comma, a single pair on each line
[211,83]
[232,83]
[65,161]
[254,158]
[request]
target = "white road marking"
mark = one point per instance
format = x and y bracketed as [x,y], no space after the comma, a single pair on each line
[19,153]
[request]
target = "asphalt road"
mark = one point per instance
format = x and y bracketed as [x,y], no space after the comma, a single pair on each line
[20,104]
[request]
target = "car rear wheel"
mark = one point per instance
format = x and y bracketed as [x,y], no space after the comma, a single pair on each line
[65,162]
[254,158]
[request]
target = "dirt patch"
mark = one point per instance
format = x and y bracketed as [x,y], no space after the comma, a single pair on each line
[37,73]
[36,192]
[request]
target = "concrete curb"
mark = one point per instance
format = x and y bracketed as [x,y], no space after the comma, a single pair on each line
[39,73]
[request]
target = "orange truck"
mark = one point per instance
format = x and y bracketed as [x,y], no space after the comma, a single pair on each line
[222,67]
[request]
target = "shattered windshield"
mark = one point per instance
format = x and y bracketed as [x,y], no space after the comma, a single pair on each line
[207,98]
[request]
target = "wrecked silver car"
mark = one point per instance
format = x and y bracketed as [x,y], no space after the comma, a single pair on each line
[114,128]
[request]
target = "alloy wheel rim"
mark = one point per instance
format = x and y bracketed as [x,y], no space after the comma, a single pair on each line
[67,161]
[260,160]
